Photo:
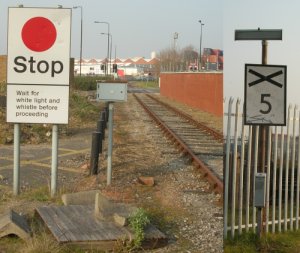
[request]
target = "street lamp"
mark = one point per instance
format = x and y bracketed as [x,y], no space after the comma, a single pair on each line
[80,7]
[200,60]
[104,22]
[108,34]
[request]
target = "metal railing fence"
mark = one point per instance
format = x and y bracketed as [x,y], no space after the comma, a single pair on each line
[281,212]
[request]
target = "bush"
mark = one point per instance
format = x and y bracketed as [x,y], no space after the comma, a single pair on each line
[88,82]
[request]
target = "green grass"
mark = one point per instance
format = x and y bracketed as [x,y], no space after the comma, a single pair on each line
[82,108]
[145,84]
[288,242]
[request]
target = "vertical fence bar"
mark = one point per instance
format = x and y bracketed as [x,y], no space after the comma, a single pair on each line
[253,177]
[241,190]
[293,170]
[287,157]
[280,180]
[298,178]
[226,186]
[248,178]
[234,168]
[274,179]
[268,178]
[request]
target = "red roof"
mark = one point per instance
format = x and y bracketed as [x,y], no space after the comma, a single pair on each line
[92,61]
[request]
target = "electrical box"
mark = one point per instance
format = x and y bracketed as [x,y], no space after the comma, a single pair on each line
[260,190]
[114,92]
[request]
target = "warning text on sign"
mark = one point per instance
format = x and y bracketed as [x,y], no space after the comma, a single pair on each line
[37,104]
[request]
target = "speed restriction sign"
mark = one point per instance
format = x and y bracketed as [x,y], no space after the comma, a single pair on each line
[265,95]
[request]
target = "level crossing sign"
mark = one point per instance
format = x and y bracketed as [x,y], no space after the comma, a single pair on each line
[265,95]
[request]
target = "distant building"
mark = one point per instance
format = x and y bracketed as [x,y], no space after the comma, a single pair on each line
[134,67]
[212,59]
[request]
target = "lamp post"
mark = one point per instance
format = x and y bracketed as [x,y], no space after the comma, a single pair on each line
[104,22]
[200,60]
[80,7]
[108,34]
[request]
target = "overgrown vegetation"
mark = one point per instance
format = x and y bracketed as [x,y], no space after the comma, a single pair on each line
[82,109]
[137,222]
[287,242]
[87,83]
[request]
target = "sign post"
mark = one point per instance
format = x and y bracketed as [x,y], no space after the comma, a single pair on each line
[111,92]
[268,78]
[38,64]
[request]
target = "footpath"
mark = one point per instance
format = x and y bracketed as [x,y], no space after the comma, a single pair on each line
[35,161]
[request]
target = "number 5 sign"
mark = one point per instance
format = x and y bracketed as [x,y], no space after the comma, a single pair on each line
[265,95]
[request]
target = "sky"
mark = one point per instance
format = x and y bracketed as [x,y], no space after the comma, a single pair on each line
[267,14]
[138,27]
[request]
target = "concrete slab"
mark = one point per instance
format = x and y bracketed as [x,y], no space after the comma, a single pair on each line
[80,198]
[109,210]
[13,223]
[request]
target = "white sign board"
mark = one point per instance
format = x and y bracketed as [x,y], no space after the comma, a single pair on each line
[265,94]
[38,65]
[114,92]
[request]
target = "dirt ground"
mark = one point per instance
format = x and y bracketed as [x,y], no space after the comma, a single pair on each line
[180,203]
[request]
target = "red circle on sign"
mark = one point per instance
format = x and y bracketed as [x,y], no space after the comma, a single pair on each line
[39,34]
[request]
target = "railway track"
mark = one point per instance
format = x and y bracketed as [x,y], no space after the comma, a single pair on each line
[201,143]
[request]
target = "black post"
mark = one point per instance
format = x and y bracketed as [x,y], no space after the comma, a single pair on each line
[106,112]
[103,117]
[100,130]
[94,153]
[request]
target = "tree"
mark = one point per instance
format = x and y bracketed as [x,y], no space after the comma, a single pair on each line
[172,59]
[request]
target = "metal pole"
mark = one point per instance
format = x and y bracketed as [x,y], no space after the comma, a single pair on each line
[110,53]
[54,160]
[200,60]
[80,38]
[104,22]
[263,133]
[16,159]
[259,222]
[110,142]
[81,20]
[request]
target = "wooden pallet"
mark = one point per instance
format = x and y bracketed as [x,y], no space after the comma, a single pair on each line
[77,224]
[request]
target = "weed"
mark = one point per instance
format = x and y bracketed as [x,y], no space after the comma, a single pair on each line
[138,221]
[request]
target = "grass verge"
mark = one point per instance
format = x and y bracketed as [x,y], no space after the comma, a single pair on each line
[287,242]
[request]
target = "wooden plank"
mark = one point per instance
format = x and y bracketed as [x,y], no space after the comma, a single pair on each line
[55,229]
[67,219]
